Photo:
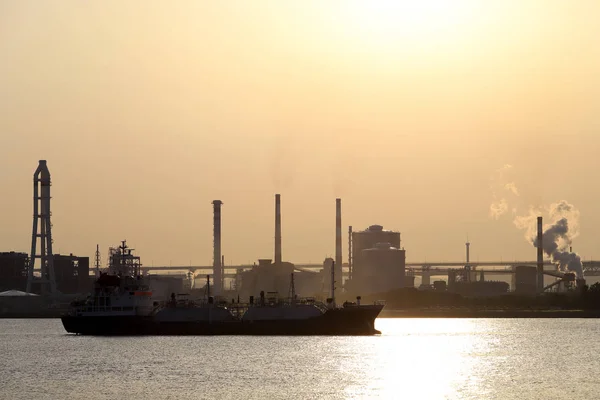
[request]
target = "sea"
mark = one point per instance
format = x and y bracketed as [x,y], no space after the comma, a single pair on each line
[411,359]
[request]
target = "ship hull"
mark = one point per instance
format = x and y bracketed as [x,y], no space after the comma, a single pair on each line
[343,321]
[107,325]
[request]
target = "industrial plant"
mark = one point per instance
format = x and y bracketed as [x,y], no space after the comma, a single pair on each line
[42,283]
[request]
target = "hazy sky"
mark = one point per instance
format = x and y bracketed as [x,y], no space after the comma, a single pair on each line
[147,111]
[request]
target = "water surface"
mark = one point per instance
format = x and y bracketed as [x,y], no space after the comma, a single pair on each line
[413,358]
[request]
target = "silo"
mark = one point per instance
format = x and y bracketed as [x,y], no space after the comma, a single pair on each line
[383,268]
[368,239]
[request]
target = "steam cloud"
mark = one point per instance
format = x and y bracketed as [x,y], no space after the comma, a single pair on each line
[501,187]
[557,236]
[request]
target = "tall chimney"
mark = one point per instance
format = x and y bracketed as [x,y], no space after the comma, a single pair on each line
[338,241]
[277,229]
[468,245]
[540,255]
[350,252]
[223,271]
[217,268]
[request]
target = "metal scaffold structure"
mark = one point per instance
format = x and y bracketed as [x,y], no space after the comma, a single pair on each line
[42,230]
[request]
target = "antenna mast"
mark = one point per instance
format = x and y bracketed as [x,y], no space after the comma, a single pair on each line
[97,261]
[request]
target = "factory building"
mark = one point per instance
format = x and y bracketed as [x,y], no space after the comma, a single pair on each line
[72,273]
[266,276]
[13,271]
[525,279]
[480,288]
[378,262]
[368,239]
[312,284]
[164,285]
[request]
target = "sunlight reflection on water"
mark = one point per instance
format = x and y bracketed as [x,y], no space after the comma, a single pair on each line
[413,358]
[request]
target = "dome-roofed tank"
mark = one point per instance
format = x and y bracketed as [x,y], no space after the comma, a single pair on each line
[279,312]
[188,314]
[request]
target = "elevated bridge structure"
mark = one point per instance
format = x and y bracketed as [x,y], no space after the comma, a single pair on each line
[433,268]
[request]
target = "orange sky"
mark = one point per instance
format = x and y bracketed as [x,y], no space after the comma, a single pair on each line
[146,112]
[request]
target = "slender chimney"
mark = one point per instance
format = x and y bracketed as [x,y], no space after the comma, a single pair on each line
[277,229]
[540,255]
[350,252]
[468,245]
[222,271]
[338,240]
[217,268]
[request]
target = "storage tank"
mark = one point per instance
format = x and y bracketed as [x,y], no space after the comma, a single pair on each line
[279,312]
[382,268]
[190,314]
[368,239]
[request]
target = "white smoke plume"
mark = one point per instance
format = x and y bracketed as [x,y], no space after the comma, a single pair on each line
[557,236]
[502,187]
[510,186]
[498,208]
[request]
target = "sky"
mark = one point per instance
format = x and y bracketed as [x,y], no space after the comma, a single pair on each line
[409,111]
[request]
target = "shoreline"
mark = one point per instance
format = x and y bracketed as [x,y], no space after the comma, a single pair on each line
[413,313]
[491,313]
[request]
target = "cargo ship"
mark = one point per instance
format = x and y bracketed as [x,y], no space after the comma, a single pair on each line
[123,305]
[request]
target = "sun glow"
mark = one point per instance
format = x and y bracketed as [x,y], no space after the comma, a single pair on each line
[416,22]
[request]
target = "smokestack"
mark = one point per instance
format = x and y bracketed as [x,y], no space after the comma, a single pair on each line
[217,268]
[277,229]
[467,245]
[338,240]
[350,252]
[540,255]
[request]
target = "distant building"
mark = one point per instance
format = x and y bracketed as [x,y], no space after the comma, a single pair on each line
[439,286]
[164,285]
[383,268]
[72,273]
[368,239]
[525,279]
[481,288]
[267,277]
[378,262]
[13,271]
